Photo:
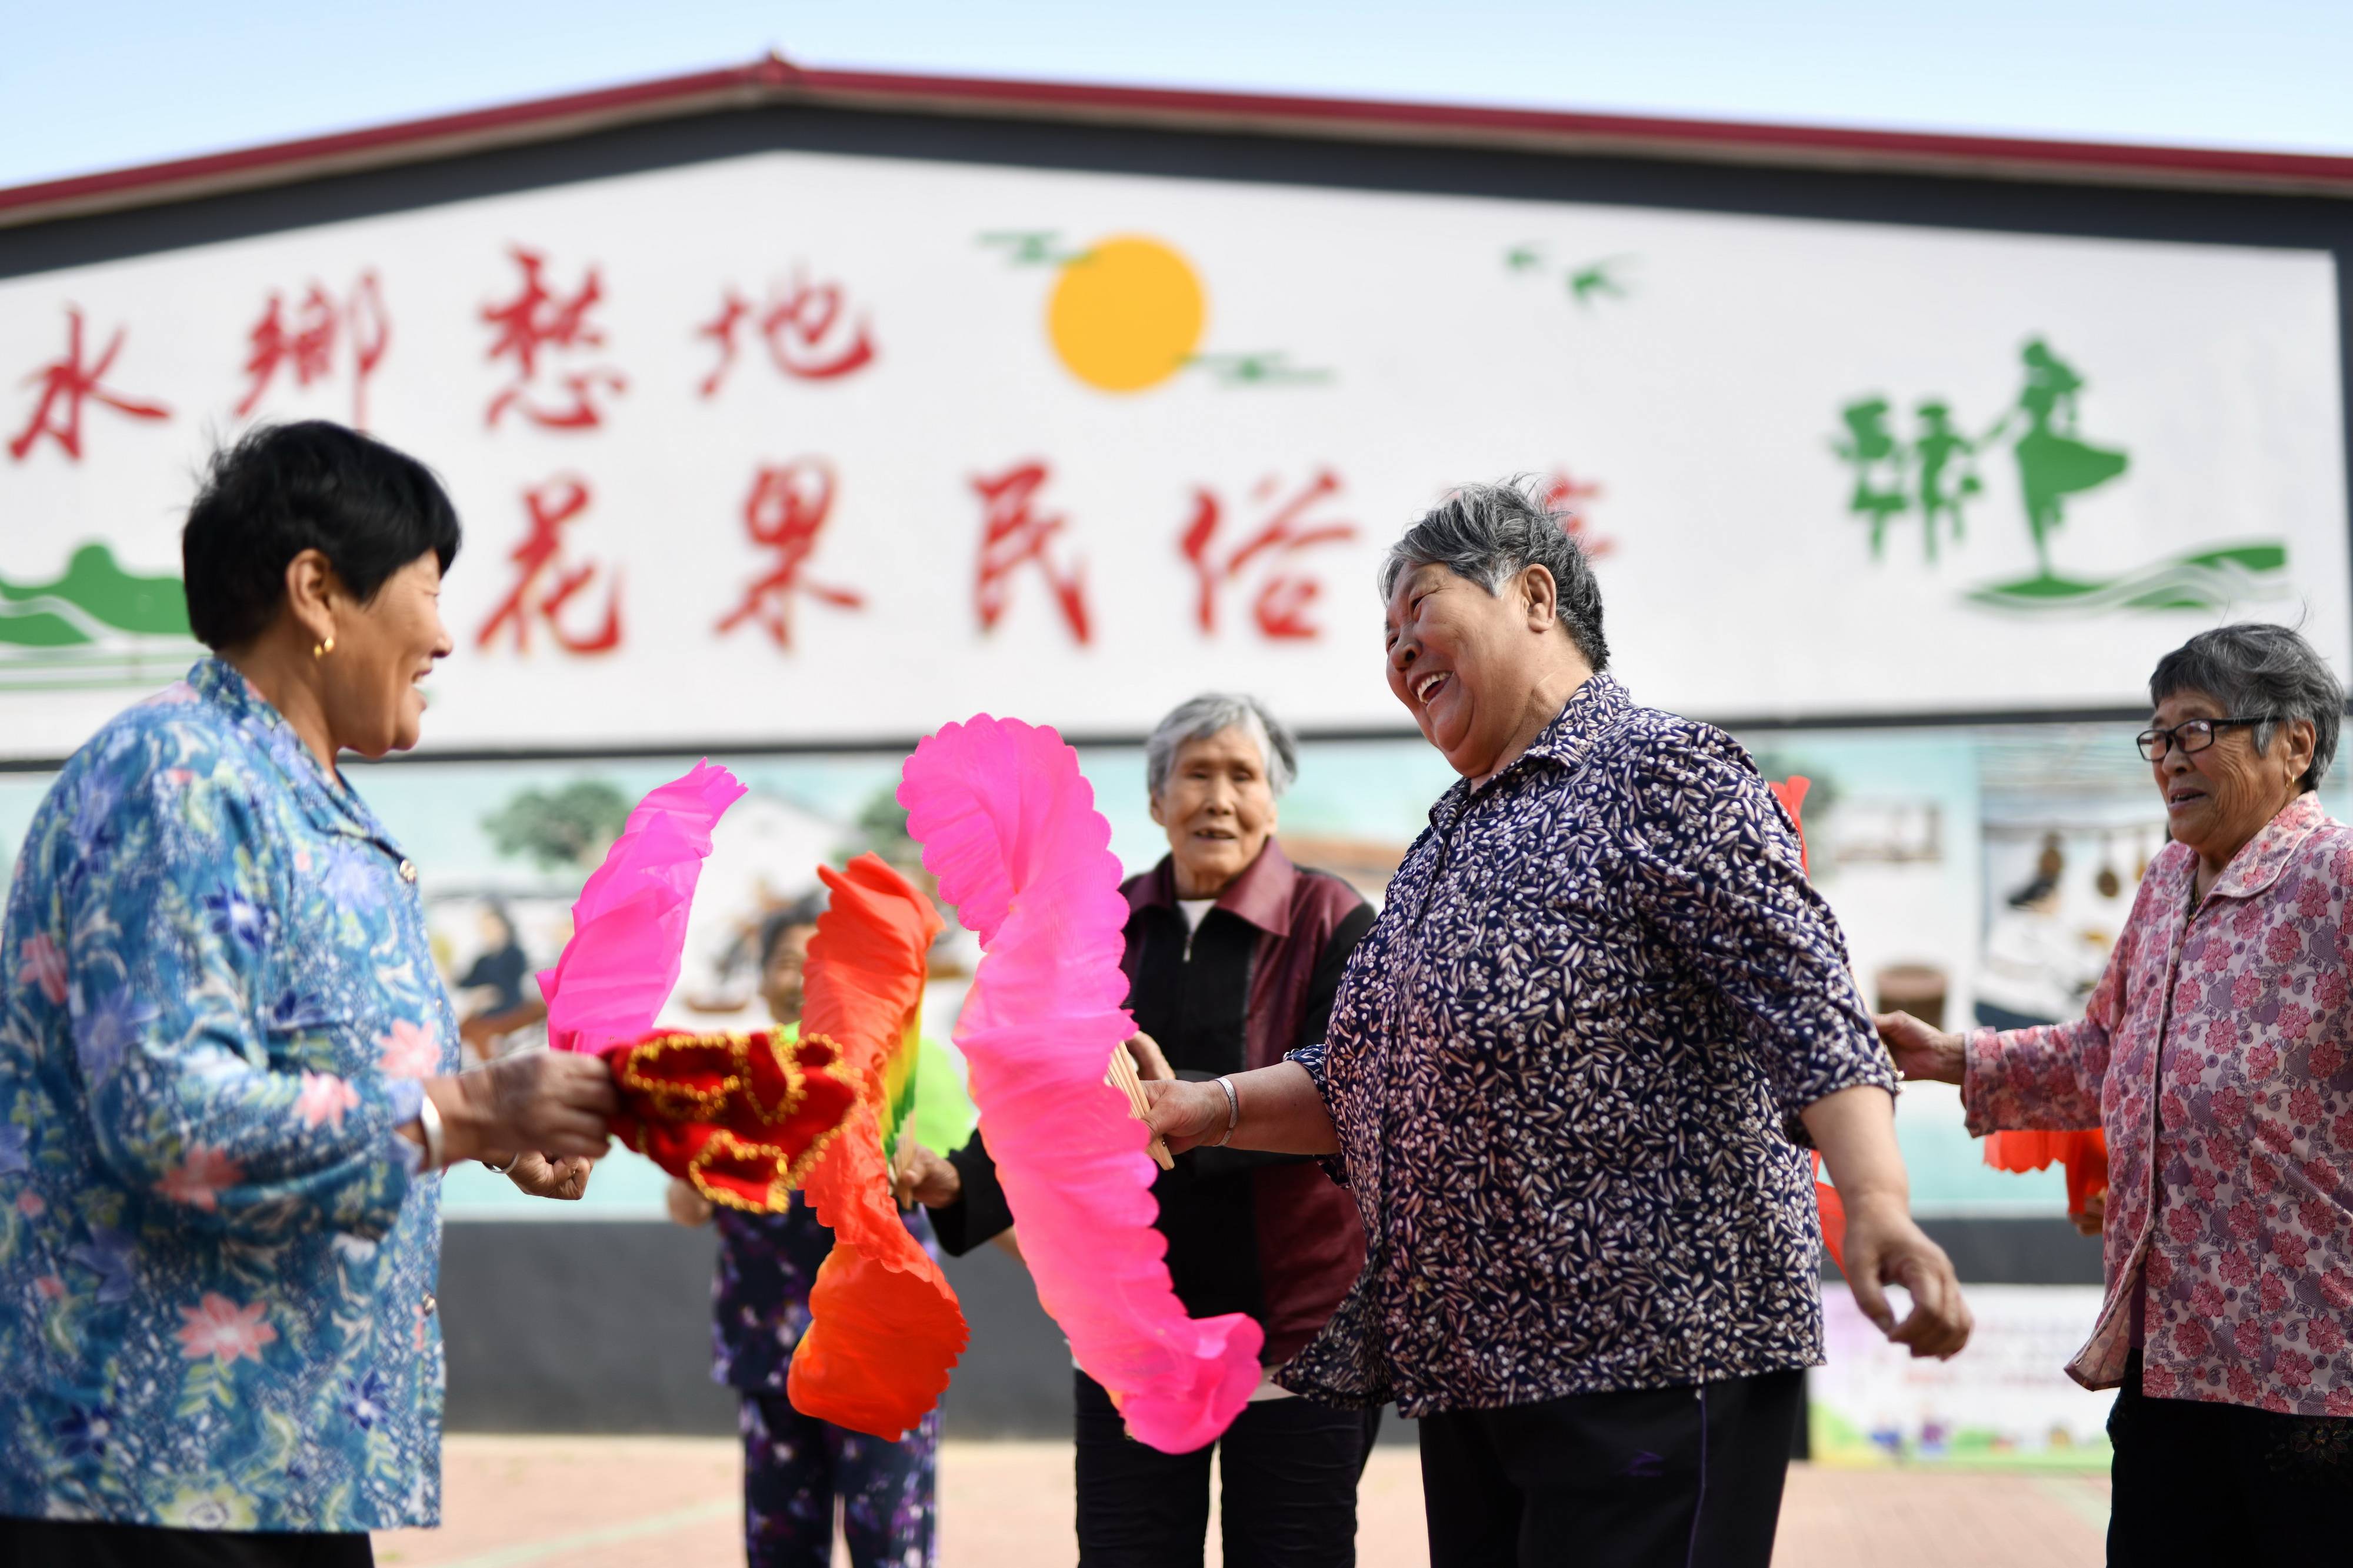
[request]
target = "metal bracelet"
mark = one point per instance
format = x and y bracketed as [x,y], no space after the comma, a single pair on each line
[428,1122]
[512,1160]
[1233,1112]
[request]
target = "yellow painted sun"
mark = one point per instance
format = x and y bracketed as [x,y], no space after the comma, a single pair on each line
[1127,314]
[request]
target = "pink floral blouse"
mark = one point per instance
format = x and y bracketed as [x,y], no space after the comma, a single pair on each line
[2217,1053]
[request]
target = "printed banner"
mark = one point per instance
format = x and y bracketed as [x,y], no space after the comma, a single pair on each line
[825,449]
[2006,1402]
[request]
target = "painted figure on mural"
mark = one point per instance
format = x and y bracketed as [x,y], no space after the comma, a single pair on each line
[1947,480]
[2051,463]
[1935,470]
[1878,461]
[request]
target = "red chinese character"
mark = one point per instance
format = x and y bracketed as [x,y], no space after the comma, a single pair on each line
[544,582]
[69,381]
[785,513]
[308,351]
[371,335]
[1013,535]
[538,318]
[1284,596]
[809,332]
[1562,494]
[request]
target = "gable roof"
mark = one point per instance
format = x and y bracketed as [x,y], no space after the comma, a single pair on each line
[774,81]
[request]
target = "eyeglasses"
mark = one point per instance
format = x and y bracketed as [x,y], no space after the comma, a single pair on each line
[2192,735]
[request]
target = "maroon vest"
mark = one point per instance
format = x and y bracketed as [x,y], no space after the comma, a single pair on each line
[1310,1239]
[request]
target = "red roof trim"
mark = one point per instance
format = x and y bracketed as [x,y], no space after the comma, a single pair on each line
[773,81]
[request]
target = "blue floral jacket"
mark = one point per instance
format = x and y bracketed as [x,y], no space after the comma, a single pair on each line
[217,1255]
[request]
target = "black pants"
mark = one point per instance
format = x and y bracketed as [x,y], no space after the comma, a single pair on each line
[56,1544]
[2211,1484]
[1659,1478]
[1290,1468]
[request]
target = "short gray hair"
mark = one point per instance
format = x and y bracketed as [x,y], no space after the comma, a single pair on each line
[1213,713]
[2255,671]
[1489,535]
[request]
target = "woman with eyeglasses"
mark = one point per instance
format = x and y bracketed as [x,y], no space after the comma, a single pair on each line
[2217,1055]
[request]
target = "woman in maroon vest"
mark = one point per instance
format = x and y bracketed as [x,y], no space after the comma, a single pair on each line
[1233,956]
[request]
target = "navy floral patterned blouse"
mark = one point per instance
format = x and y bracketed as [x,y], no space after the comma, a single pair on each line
[1566,1068]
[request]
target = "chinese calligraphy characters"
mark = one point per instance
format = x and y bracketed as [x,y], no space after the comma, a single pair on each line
[306,350]
[1015,533]
[539,321]
[545,583]
[65,384]
[807,327]
[785,512]
[1285,590]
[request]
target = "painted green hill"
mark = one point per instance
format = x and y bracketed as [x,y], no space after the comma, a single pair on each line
[32,614]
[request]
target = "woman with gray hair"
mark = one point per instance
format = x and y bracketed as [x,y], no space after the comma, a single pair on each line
[1233,957]
[2217,1055]
[1567,1075]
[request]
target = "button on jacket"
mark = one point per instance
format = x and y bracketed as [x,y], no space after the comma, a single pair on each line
[1566,1068]
[2217,1055]
[217,1258]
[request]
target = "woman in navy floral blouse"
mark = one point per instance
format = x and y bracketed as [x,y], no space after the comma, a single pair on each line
[228,1071]
[1567,1077]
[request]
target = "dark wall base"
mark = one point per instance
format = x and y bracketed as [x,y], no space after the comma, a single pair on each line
[593,1326]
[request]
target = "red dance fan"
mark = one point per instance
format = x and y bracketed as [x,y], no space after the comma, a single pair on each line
[2085,1153]
[743,1117]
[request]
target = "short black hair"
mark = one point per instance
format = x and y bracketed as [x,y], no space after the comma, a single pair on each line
[2257,671]
[284,489]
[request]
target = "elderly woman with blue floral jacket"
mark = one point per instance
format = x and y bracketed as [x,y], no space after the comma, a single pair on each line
[227,1067]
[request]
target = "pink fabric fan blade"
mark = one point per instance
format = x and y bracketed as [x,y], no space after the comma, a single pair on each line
[1008,828]
[628,925]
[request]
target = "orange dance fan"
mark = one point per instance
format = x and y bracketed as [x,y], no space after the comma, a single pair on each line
[884,1327]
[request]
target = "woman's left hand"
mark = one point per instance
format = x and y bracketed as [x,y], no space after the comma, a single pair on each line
[541,1177]
[1885,1246]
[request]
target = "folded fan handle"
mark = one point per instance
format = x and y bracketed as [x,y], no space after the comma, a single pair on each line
[1122,1077]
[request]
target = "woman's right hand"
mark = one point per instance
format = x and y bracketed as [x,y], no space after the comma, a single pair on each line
[555,1103]
[920,1176]
[1187,1114]
[1920,1052]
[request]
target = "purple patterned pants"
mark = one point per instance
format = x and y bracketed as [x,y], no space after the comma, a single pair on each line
[796,1468]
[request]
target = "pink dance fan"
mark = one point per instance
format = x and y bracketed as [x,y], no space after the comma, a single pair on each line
[628,925]
[1009,827]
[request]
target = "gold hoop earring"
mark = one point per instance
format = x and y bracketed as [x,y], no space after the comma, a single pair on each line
[320,650]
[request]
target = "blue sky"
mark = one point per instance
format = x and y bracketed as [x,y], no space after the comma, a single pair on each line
[107,83]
